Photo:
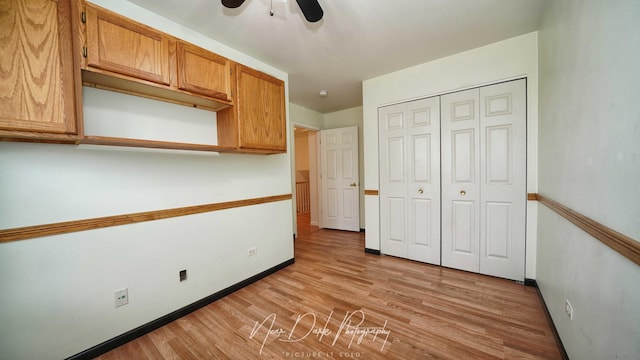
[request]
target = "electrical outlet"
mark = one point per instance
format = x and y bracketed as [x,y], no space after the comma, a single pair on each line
[568,309]
[121,297]
[252,251]
[183,275]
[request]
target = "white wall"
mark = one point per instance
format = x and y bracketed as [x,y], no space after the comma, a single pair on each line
[57,291]
[590,162]
[305,117]
[511,58]
[346,118]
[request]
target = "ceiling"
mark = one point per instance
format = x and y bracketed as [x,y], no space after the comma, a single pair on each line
[355,41]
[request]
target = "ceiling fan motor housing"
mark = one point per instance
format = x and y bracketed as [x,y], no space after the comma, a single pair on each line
[311,9]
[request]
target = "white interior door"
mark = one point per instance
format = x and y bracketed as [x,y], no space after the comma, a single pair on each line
[340,181]
[503,187]
[460,180]
[410,180]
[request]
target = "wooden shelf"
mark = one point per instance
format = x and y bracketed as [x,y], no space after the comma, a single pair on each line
[124,84]
[152,144]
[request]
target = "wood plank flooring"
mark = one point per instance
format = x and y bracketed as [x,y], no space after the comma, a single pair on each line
[338,302]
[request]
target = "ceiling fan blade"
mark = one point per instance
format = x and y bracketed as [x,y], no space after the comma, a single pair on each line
[311,10]
[232,3]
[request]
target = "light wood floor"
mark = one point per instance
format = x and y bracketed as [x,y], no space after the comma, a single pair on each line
[332,301]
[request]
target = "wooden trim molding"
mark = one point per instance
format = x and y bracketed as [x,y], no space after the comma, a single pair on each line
[621,243]
[30,232]
[371,192]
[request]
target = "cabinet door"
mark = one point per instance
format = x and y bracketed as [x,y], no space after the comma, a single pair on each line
[37,84]
[203,72]
[120,45]
[261,114]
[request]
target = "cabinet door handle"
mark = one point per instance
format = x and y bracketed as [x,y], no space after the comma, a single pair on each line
[420,191]
[463,193]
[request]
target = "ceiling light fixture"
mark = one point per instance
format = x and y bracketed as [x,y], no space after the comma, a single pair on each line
[323,93]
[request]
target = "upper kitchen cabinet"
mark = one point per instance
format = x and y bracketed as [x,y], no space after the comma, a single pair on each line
[126,56]
[203,72]
[257,122]
[40,90]
[119,45]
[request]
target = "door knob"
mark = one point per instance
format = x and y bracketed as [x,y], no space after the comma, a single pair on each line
[353,184]
[420,191]
[463,193]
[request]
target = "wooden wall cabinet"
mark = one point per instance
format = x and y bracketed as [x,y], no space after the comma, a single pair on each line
[126,56]
[257,122]
[40,90]
[203,72]
[117,44]
[49,49]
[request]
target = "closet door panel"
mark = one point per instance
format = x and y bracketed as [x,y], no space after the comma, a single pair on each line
[463,236]
[409,146]
[423,134]
[421,210]
[498,230]
[460,180]
[393,180]
[503,189]
[397,220]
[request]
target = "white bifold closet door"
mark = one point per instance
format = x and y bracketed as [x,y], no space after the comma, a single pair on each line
[409,151]
[484,179]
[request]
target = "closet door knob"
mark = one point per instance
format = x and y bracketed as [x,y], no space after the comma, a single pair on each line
[352,184]
[420,191]
[463,193]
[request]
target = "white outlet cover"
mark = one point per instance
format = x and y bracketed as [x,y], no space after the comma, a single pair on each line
[568,309]
[121,297]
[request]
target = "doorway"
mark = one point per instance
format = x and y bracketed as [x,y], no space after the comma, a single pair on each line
[306,178]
